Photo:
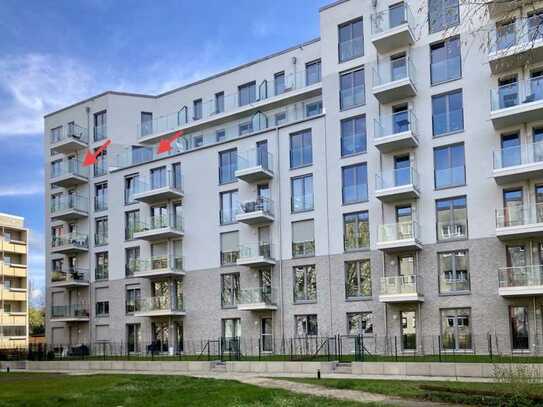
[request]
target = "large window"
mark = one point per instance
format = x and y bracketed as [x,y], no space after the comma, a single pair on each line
[453,272]
[102,308]
[102,266]
[452,220]
[302,193]
[306,325]
[447,113]
[228,164]
[100,166]
[305,284]
[353,135]
[359,323]
[100,126]
[101,231]
[443,14]
[351,40]
[229,290]
[229,248]
[356,233]
[352,89]
[518,316]
[229,207]
[301,150]
[456,329]
[357,279]
[132,260]
[133,296]
[219,102]
[449,166]
[279,83]
[355,183]
[130,185]
[197,110]
[303,238]
[313,72]
[100,196]
[247,93]
[446,60]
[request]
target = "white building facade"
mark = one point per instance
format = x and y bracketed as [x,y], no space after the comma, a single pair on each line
[362,183]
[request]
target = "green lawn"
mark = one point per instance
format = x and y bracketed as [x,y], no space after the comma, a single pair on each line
[492,394]
[44,389]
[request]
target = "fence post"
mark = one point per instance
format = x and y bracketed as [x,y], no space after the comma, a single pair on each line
[362,347]
[439,346]
[490,345]
[395,348]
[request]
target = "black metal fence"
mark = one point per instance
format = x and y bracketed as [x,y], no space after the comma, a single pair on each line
[342,348]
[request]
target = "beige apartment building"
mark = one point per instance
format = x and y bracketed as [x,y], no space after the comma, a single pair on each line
[13,282]
[384,180]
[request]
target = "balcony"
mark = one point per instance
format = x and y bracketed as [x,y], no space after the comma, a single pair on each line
[72,278]
[397,185]
[518,163]
[69,207]
[159,188]
[257,299]
[517,103]
[394,80]
[519,221]
[159,227]
[254,166]
[70,313]
[158,266]
[259,212]
[399,289]
[70,243]
[256,255]
[395,132]
[267,93]
[160,306]
[14,294]
[69,173]
[69,140]
[13,246]
[14,270]
[520,281]
[515,45]
[399,236]
[393,28]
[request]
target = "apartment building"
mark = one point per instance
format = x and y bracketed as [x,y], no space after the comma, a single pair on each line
[360,183]
[13,282]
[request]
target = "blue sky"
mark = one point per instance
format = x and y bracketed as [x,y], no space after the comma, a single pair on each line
[56,52]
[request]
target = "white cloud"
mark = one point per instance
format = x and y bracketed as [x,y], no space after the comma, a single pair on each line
[36,84]
[20,190]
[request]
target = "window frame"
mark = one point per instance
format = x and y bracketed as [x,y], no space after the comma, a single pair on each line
[307,269]
[356,185]
[360,267]
[454,269]
[292,196]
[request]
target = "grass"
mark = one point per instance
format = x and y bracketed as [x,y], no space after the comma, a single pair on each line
[45,390]
[456,392]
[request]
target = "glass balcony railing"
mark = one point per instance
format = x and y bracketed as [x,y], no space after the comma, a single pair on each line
[255,158]
[394,70]
[101,272]
[517,93]
[160,303]
[522,32]
[393,17]
[519,215]
[522,276]
[457,229]
[351,97]
[71,132]
[451,285]
[407,284]
[69,202]
[251,124]
[167,179]
[303,249]
[265,295]
[70,311]
[398,231]
[101,239]
[70,239]
[263,90]
[450,177]
[260,204]
[75,274]
[228,216]
[230,257]
[252,250]
[100,132]
[397,178]
[100,203]
[396,123]
[351,49]
[160,222]
[156,263]
[518,155]
[69,167]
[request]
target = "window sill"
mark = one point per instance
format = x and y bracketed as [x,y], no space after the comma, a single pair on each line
[449,133]
[303,211]
[305,302]
[306,256]
[449,187]
[455,293]
[228,182]
[355,154]
[345,109]
[357,250]
[459,239]
[357,299]
[354,203]
[445,81]
[301,166]
[227,307]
